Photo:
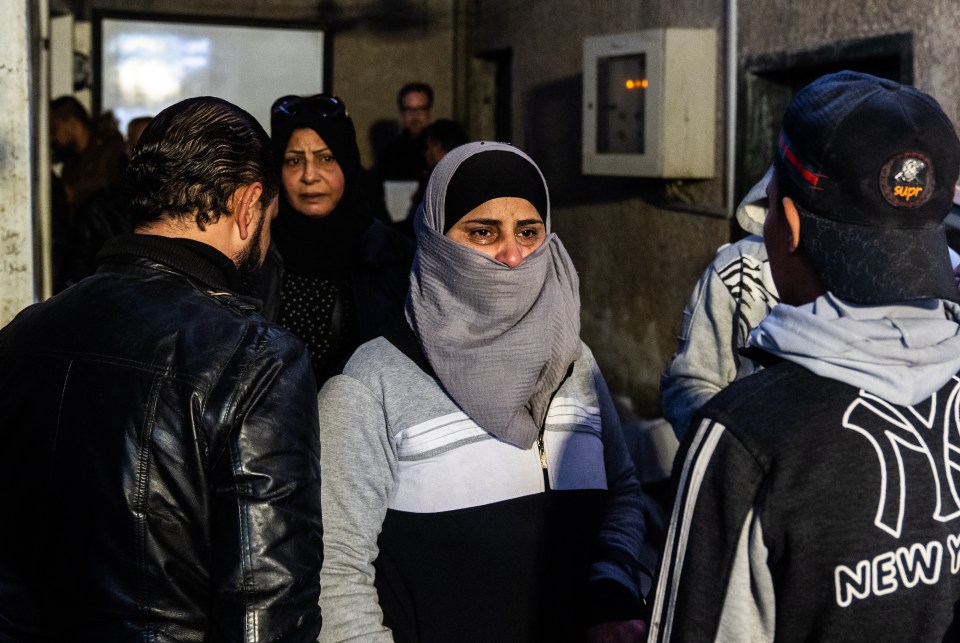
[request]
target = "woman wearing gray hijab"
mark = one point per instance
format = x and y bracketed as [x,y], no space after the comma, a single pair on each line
[476,485]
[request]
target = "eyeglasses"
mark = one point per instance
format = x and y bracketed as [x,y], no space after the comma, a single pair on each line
[323,105]
[409,109]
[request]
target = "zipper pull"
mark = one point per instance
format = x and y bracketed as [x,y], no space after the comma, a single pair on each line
[543,463]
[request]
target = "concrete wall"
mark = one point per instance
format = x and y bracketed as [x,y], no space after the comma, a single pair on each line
[935,30]
[18,259]
[637,261]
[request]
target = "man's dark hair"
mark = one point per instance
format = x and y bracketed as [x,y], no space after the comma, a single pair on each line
[66,107]
[192,157]
[446,132]
[423,88]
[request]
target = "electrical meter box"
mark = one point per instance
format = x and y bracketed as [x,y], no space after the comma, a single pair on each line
[650,103]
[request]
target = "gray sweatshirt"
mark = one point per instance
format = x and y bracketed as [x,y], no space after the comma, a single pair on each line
[734,293]
[405,471]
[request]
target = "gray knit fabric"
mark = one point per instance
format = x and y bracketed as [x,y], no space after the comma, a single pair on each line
[500,339]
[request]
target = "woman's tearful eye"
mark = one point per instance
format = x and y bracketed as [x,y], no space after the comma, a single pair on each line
[530,236]
[483,235]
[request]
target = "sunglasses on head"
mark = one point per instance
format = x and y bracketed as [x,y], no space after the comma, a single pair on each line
[324,105]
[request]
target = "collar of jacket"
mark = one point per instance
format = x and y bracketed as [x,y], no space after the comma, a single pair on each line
[399,333]
[201,262]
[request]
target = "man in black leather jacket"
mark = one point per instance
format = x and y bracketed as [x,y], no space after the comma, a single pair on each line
[159,449]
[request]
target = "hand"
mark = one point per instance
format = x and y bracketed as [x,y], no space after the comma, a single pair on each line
[618,632]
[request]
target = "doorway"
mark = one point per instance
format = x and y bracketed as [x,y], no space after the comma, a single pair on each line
[769,81]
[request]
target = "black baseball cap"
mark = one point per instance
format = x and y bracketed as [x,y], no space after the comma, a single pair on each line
[871,166]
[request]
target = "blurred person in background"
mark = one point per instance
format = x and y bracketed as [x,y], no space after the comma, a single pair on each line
[92,158]
[403,158]
[442,136]
[101,216]
[134,131]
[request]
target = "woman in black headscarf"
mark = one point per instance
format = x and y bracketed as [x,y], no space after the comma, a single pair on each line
[334,275]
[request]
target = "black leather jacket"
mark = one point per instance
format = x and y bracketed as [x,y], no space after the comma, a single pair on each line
[159,460]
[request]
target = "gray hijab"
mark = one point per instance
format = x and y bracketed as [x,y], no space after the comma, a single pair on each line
[500,339]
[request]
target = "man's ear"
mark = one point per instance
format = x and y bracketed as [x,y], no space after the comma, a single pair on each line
[243,210]
[793,222]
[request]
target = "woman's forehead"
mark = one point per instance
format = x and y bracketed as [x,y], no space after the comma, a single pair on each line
[505,208]
[306,137]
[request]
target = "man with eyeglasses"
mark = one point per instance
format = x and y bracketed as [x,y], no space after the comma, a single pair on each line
[403,159]
[414,100]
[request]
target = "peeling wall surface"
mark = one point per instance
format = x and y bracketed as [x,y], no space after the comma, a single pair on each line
[16,245]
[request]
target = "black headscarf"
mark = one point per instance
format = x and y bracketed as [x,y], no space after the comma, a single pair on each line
[322,246]
[498,173]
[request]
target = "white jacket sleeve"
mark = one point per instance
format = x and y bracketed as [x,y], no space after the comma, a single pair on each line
[358,471]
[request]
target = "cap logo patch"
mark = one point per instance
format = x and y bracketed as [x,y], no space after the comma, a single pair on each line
[906,180]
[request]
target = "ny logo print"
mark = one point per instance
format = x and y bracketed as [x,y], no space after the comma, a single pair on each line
[934,435]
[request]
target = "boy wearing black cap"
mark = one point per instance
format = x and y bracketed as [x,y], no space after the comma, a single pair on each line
[823,493]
